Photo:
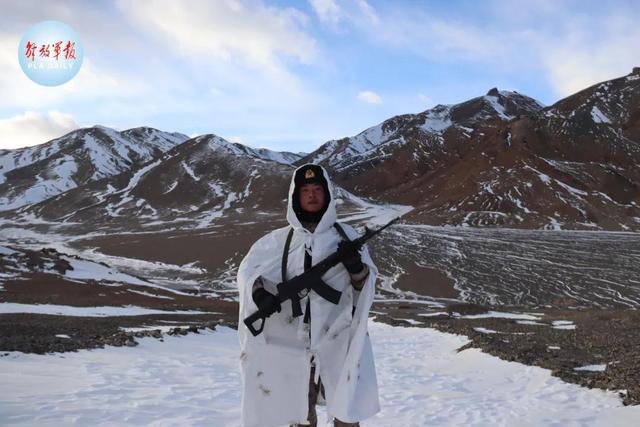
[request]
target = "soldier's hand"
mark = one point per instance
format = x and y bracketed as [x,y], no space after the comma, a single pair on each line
[266,301]
[349,255]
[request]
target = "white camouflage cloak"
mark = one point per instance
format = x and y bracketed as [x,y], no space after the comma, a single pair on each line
[275,365]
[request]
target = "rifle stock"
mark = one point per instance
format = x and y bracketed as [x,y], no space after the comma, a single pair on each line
[250,320]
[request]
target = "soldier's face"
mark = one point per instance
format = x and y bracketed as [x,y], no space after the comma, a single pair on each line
[311,197]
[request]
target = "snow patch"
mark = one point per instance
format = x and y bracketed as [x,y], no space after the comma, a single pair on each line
[563,324]
[592,368]
[189,171]
[437,120]
[499,108]
[90,270]
[485,330]
[598,116]
[498,314]
[7,251]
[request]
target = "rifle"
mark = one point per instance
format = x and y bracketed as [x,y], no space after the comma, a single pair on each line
[307,280]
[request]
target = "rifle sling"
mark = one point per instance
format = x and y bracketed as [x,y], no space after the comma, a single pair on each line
[307,265]
[341,232]
[295,301]
[326,291]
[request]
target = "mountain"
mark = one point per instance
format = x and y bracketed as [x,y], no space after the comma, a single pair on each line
[571,165]
[283,157]
[503,160]
[32,174]
[420,132]
[199,180]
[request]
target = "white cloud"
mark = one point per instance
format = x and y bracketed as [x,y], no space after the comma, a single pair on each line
[255,34]
[334,12]
[578,59]
[415,30]
[572,51]
[328,11]
[239,54]
[32,128]
[367,11]
[369,97]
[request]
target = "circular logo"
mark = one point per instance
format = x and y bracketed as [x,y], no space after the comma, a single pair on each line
[50,53]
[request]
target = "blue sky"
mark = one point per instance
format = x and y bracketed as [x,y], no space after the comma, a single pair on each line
[291,75]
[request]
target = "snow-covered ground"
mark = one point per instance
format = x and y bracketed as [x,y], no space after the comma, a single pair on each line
[193,380]
[67,310]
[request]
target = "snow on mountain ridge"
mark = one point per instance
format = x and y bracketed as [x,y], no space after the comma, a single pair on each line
[283,157]
[89,154]
[499,108]
[57,180]
[614,100]
[430,124]
[21,157]
[437,119]
[217,143]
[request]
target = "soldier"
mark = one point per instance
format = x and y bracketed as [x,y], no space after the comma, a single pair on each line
[316,345]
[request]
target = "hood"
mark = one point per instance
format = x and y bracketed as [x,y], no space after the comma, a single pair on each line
[328,218]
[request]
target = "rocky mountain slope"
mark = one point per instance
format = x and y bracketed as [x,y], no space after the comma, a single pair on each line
[33,174]
[503,160]
[203,179]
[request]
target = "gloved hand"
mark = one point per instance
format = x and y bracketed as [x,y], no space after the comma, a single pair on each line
[266,301]
[350,256]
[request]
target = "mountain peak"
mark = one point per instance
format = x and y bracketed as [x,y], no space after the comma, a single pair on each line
[100,127]
[237,149]
[427,127]
[83,155]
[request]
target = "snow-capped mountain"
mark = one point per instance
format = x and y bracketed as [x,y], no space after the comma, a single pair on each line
[574,164]
[496,160]
[32,174]
[425,130]
[199,180]
[501,159]
[612,102]
[283,157]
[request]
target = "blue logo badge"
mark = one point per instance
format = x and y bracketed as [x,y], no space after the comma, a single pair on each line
[50,53]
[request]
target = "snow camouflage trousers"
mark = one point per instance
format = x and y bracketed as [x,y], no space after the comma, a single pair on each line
[314,391]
